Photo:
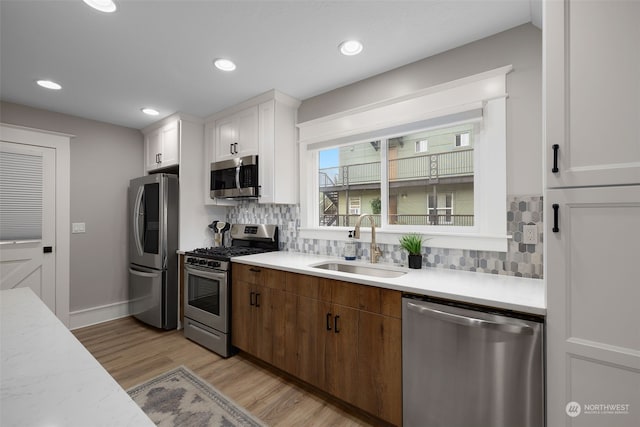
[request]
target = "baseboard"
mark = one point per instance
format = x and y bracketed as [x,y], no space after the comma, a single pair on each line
[94,315]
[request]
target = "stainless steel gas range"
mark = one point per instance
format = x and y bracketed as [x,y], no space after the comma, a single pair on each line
[208,290]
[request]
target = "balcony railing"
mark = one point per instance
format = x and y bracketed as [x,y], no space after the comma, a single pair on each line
[431,166]
[401,219]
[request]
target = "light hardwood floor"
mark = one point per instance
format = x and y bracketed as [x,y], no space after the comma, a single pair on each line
[134,353]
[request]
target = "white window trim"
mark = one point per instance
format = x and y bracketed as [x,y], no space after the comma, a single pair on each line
[486,89]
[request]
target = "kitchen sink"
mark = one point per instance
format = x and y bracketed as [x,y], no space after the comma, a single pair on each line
[364,270]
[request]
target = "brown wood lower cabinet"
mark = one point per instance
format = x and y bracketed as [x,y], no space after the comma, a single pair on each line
[341,337]
[257,323]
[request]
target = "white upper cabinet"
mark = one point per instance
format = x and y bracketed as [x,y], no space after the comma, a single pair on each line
[265,126]
[593,93]
[237,134]
[162,146]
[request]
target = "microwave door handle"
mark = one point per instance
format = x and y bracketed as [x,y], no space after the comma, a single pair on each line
[238,176]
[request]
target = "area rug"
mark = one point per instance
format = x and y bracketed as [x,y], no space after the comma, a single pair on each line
[181,398]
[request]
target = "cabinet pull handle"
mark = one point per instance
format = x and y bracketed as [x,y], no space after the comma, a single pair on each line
[159,157]
[257,300]
[235,148]
[328,321]
[255,270]
[251,294]
[556,207]
[555,169]
[230,148]
[335,325]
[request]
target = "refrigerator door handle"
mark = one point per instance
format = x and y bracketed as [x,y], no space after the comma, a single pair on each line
[513,328]
[137,213]
[142,273]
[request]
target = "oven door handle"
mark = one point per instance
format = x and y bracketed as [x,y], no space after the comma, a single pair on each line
[222,276]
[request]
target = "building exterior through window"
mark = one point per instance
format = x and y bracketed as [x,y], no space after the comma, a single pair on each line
[428,176]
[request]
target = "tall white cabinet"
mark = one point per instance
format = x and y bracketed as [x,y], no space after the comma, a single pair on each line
[592,202]
[188,143]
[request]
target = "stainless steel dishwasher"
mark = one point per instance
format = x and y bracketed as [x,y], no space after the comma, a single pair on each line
[467,366]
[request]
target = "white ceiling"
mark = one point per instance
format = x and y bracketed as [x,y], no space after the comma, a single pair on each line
[159,53]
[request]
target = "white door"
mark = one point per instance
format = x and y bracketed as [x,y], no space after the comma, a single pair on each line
[28,222]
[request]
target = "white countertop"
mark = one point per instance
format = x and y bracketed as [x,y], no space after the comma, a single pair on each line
[505,292]
[48,379]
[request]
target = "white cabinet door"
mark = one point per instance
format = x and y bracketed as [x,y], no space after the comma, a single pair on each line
[237,135]
[152,148]
[592,65]
[247,132]
[593,321]
[162,146]
[226,130]
[170,137]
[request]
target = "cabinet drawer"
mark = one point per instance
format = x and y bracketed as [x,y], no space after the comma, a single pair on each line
[308,286]
[267,277]
[362,297]
[367,298]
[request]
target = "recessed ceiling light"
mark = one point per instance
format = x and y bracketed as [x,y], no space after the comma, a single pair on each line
[49,84]
[150,111]
[224,64]
[102,5]
[350,47]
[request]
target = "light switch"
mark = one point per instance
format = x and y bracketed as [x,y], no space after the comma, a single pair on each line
[77,227]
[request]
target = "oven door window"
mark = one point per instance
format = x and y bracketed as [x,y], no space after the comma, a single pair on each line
[204,293]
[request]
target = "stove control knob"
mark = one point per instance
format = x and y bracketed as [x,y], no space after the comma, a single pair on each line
[189,260]
[211,264]
[202,262]
[216,264]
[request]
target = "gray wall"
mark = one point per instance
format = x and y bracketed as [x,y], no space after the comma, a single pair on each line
[520,47]
[104,158]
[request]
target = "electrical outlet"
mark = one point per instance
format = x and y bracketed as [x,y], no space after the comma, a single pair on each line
[530,234]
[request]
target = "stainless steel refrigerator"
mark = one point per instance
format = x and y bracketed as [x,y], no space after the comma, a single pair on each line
[153,241]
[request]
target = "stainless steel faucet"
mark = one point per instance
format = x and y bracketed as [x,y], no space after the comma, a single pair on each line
[375,249]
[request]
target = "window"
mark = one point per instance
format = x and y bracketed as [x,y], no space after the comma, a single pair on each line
[462,139]
[440,210]
[348,178]
[422,146]
[354,205]
[433,163]
[420,186]
[21,196]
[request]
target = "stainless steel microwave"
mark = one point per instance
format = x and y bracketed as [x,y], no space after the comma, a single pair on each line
[236,178]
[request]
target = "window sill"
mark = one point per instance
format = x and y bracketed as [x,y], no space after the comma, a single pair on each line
[469,241]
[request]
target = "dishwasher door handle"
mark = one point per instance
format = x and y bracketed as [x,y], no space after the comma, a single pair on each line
[512,328]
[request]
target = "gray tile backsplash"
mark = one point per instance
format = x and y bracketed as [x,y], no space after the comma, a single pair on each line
[519,260]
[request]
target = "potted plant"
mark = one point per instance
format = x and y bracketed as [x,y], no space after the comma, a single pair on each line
[412,243]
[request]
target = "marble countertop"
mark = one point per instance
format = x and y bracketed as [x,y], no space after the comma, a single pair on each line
[48,379]
[505,292]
